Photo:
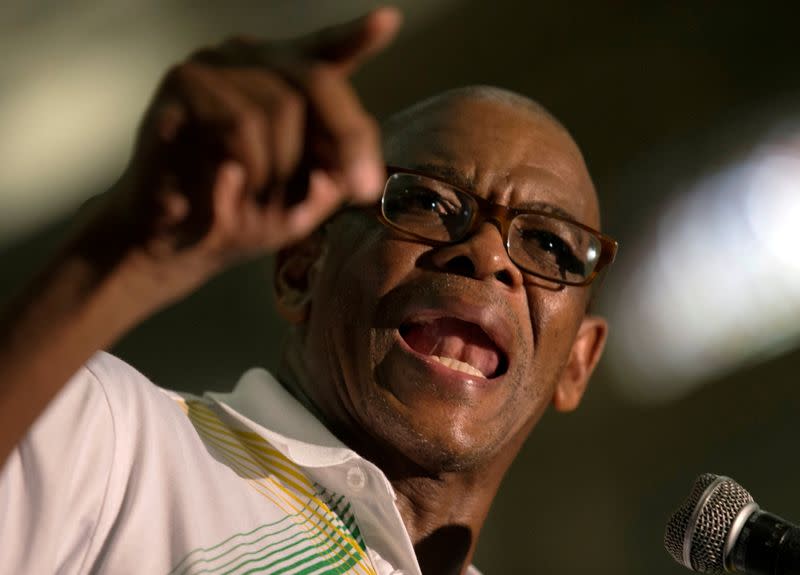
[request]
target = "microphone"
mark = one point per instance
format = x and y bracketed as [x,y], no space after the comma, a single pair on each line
[720,529]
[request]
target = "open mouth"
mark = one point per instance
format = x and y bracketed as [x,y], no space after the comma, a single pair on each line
[457,344]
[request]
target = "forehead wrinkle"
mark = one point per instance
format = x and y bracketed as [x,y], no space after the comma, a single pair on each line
[547,208]
[468,183]
[448,174]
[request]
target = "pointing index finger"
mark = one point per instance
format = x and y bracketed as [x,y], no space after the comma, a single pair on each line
[346,46]
[343,47]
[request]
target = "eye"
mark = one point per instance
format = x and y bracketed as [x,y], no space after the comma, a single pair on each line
[540,242]
[426,208]
[423,199]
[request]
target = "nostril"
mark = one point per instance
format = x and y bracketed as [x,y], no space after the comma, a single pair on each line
[504,276]
[461,265]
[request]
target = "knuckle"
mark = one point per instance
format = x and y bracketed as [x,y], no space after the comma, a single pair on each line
[202,53]
[167,118]
[212,54]
[248,123]
[289,103]
[183,75]
[238,50]
[225,53]
[355,133]
[318,75]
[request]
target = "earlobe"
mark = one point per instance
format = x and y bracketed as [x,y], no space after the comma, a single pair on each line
[296,267]
[586,351]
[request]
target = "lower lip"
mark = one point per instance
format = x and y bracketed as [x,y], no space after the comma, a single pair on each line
[442,375]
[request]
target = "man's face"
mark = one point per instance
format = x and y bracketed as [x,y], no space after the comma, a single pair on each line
[386,309]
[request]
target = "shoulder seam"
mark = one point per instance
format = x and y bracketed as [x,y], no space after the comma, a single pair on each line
[114,451]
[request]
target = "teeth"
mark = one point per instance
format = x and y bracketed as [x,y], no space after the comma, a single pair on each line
[458,365]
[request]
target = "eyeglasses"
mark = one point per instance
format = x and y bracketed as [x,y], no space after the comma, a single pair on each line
[542,244]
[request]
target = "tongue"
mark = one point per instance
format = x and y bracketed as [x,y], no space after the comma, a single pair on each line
[456,339]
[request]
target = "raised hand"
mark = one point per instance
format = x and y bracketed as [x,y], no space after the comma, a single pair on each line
[247,147]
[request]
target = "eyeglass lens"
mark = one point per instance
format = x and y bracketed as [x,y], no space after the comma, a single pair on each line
[540,244]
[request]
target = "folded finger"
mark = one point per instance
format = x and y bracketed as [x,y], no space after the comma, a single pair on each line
[325,196]
[222,124]
[349,141]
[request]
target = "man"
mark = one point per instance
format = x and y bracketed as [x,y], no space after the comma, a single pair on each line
[431,330]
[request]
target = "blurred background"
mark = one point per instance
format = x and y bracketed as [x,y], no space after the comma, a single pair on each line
[689,117]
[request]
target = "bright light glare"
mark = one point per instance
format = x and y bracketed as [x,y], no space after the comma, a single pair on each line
[717,285]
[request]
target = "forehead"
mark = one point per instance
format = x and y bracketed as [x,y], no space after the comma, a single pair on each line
[508,154]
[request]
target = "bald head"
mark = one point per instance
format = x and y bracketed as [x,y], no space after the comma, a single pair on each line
[494,127]
[448,98]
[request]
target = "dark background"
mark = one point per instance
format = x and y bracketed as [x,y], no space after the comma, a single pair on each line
[650,90]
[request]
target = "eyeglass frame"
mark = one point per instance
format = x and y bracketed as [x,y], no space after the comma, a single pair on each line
[502,216]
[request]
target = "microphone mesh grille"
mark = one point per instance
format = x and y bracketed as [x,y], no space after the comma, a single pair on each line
[678,524]
[714,522]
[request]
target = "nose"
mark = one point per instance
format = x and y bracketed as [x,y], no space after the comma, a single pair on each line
[480,256]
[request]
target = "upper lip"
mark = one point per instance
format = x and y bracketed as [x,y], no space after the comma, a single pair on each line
[486,317]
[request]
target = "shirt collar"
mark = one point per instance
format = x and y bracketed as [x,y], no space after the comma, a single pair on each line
[261,403]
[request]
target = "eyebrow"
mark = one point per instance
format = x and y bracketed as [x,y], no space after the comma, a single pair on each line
[458,179]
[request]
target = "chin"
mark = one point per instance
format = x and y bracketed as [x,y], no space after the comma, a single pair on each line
[429,443]
[447,455]
[448,460]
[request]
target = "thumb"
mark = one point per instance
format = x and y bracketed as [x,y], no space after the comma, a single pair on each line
[346,46]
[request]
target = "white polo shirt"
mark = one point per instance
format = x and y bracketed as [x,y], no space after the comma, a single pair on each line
[120,476]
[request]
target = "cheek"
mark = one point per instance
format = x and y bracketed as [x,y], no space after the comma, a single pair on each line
[555,319]
[377,265]
[359,270]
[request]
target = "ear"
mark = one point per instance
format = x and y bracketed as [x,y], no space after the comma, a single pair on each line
[586,351]
[296,267]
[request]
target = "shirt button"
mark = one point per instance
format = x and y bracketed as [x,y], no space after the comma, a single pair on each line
[356,478]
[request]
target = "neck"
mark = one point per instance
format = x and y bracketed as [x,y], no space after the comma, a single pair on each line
[443,511]
[291,373]
[444,516]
